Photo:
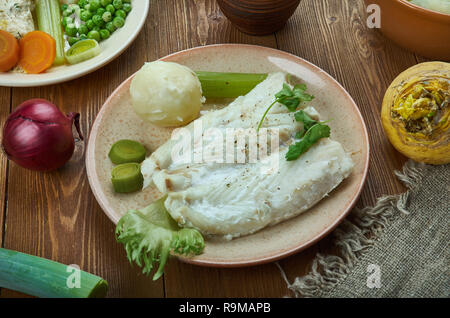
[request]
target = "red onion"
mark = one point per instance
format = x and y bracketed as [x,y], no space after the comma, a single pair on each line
[38,136]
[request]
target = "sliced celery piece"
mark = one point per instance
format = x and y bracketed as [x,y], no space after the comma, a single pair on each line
[228,85]
[49,21]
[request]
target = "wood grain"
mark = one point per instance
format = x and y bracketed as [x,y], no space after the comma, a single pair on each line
[335,37]
[55,215]
[5,105]
[190,24]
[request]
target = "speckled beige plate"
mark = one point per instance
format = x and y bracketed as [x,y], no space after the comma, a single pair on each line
[116,120]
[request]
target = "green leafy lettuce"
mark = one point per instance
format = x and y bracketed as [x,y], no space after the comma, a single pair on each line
[150,234]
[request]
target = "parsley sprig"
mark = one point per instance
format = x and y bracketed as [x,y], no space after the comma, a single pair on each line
[307,121]
[312,130]
[289,97]
[311,133]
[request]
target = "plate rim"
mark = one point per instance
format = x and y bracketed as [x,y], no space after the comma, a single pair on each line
[65,78]
[95,185]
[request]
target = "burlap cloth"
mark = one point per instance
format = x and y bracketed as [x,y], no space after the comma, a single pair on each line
[399,248]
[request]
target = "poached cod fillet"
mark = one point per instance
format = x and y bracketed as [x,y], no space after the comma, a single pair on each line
[235,199]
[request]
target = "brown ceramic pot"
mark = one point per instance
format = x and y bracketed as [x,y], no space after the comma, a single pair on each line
[415,28]
[258,17]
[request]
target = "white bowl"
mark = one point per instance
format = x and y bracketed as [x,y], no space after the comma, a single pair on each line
[110,49]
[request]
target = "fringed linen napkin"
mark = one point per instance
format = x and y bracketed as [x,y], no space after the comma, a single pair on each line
[399,248]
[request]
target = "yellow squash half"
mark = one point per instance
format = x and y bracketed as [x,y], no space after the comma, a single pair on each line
[415,112]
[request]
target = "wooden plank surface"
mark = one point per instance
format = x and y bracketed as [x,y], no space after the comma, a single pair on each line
[55,215]
[5,100]
[200,23]
[333,35]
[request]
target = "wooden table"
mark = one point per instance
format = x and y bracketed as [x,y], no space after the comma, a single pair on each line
[55,215]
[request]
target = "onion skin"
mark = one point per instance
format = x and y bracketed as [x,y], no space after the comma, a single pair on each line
[37,136]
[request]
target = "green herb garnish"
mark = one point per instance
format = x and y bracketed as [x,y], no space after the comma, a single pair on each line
[312,135]
[307,121]
[312,130]
[150,234]
[289,97]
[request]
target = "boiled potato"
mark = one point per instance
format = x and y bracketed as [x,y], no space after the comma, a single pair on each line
[166,94]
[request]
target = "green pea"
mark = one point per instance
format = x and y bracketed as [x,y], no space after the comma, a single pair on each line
[110,27]
[90,24]
[107,16]
[72,40]
[118,4]
[94,5]
[83,37]
[97,19]
[118,22]
[83,29]
[97,28]
[71,29]
[85,15]
[100,11]
[82,3]
[127,7]
[104,34]
[95,35]
[67,12]
[105,2]
[121,13]
[110,8]
[66,21]
[75,8]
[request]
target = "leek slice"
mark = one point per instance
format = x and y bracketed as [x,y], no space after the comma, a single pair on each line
[82,51]
[127,178]
[41,277]
[125,151]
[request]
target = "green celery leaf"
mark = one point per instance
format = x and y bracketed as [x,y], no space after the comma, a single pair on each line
[289,97]
[150,234]
[303,117]
[313,135]
[299,92]
[292,97]
[300,134]
[286,91]
[291,103]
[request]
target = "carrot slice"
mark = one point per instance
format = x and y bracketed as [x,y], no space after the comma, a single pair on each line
[9,51]
[37,52]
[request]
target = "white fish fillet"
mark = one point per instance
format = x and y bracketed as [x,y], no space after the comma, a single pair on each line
[235,199]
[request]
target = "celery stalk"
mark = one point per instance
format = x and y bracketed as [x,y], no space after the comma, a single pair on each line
[49,21]
[228,85]
[40,277]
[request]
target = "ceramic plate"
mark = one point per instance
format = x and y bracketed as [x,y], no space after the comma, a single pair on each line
[116,120]
[110,49]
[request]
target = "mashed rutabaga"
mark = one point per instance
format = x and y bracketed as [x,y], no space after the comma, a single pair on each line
[435,5]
